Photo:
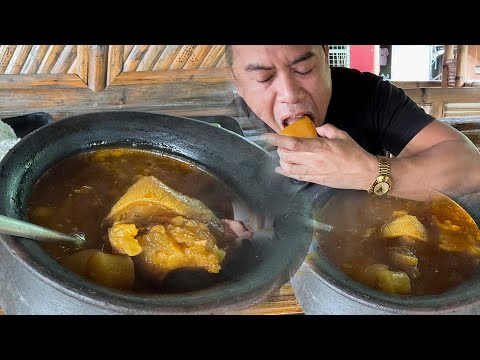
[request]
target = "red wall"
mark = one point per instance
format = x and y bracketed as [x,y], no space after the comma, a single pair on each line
[361,57]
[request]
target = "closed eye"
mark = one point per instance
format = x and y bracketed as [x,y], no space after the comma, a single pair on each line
[265,80]
[303,72]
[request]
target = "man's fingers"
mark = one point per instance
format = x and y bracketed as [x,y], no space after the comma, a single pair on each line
[290,142]
[289,169]
[301,158]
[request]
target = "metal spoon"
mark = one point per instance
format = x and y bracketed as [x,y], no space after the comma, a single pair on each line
[27,230]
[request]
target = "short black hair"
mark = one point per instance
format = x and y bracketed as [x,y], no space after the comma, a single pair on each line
[229,54]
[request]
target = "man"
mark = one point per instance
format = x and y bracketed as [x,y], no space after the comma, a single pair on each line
[358,116]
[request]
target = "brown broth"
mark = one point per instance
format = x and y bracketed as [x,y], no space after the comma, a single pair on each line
[77,193]
[352,213]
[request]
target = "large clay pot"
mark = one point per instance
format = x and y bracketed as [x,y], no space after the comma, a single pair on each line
[32,282]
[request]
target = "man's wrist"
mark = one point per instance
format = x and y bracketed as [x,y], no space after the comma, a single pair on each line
[371,171]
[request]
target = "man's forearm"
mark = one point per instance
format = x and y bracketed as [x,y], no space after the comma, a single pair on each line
[451,167]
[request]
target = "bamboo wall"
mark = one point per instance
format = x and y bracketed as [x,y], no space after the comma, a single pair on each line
[65,80]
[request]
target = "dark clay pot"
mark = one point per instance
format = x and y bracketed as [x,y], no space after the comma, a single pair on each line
[321,288]
[32,282]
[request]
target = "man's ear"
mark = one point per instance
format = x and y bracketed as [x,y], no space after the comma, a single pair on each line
[325,49]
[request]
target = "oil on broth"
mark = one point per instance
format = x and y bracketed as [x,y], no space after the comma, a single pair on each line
[358,219]
[77,193]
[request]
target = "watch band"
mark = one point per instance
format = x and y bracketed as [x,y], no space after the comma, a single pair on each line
[383,182]
[383,165]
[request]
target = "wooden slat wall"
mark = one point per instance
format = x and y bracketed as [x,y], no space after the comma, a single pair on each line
[171,57]
[140,76]
[36,59]
[60,59]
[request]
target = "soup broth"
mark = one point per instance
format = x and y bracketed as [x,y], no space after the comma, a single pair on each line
[77,193]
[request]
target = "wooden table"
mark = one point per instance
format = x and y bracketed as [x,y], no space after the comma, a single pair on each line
[281,302]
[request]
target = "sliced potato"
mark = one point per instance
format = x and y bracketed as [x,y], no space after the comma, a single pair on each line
[393,282]
[115,271]
[77,261]
[371,274]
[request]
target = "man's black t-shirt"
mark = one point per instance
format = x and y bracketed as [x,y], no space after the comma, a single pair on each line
[376,114]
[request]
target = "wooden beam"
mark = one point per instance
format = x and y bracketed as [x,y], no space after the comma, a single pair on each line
[68,94]
[417,84]
[97,67]
[426,96]
[173,76]
[462,60]
[82,62]
[115,62]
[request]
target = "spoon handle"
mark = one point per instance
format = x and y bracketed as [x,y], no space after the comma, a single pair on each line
[27,230]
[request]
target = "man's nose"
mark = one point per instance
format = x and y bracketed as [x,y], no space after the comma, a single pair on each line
[289,90]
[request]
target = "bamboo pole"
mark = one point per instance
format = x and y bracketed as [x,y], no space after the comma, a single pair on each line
[73,68]
[213,57]
[182,57]
[462,60]
[97,67]
[34,59]
[6,53]
[150,58]
[126,51]
[136,55]
[197,57]
[166,57]
[447,55]
[65,59]
[115,62]
[18,59]
[50,59]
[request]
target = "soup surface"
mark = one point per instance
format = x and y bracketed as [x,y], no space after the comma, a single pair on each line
[77,194]
[400,246]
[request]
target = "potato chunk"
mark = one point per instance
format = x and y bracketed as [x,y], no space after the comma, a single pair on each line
[115,271]
[78,261]
[392,282]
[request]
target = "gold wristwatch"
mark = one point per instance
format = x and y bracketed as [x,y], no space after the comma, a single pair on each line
[383,182]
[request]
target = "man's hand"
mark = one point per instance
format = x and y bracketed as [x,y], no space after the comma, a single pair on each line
[334,159]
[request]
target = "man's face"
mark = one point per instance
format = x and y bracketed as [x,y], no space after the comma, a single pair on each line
[281,83]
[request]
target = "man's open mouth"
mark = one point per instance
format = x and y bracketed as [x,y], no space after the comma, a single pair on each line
[291,120]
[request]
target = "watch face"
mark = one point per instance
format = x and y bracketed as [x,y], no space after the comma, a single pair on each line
[381,188]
